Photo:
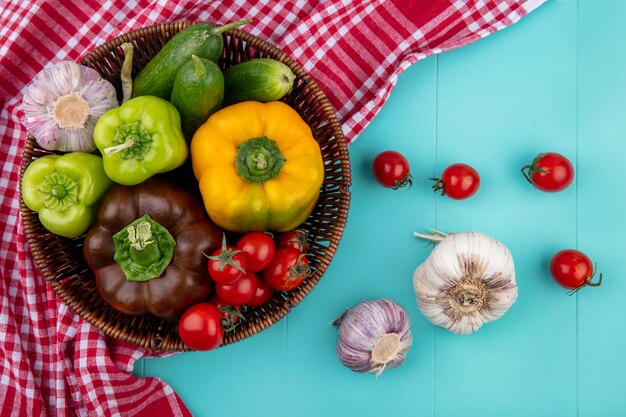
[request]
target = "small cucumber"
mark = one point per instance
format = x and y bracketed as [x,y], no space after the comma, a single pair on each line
[260,79]
[197,93]
[202,39]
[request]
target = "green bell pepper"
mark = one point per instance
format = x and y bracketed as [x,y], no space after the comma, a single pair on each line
[139,139]
[65,190]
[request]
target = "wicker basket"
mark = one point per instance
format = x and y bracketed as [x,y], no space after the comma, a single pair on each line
[61,261]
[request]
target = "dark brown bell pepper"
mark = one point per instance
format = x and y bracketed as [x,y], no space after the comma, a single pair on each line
[141,269]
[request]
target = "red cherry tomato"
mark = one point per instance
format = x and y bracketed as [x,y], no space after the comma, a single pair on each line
[262,294]
[229,315]
[458,181]
[550,172]
[227,264]
[573,270]
[288,270]
[295,239]
[200,328]
[392,170]
[260,248]
[239,293]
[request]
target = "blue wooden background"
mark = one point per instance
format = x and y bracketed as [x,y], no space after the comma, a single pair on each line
[556,81]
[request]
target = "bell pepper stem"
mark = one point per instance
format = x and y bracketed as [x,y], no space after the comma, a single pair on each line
[58,191]
[259,160]
[129,143]
[140,236]
[143,249]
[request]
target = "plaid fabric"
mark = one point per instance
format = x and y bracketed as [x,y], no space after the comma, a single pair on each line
[51,361]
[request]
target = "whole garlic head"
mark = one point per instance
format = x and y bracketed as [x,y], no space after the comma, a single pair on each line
[468,280]
[62,105]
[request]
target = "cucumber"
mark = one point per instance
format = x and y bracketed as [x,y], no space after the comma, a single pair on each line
[260,79]
[197,93]
[202,39]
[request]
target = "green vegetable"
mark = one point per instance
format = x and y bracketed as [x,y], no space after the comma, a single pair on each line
[127,69]
[143,249]
[260,79]
[202,39]
[139,139]
[198,92]
[64,191]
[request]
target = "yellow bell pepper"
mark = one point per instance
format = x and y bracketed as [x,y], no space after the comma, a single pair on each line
[258,166]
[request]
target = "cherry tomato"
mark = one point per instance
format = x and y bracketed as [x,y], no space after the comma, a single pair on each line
[260,248]
[295,239]
[239,293]
[392,170]
[262,294]
[458,181]
[229,315]
[199,327]
[288,270]
[573,270]
[550,172]
[227,264]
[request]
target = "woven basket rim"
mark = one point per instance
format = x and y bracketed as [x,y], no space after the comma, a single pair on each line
[289,302]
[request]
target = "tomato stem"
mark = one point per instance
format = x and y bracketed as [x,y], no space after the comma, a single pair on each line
[229,322]
[299,270]
[439,185]
[589,282]
[401,183]
[226,257]
[594,284]
[529,170]
[300,238]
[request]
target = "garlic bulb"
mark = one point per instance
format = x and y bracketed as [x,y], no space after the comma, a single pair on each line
[468,280]
[373,336]
[62,105]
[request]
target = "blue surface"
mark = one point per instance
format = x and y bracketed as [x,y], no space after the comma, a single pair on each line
[556,81]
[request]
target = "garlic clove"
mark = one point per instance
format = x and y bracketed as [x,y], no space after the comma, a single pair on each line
[75,140]
[45,130]
[100,96]
[66,78]
[38,96]
[89,75]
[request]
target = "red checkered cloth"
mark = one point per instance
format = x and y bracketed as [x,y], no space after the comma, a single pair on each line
[51,361]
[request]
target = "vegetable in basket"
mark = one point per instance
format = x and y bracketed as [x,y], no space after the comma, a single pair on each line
[258,167]
[200,327]
[64,190]
[139,139]
[198,93]
[62,104]
[260,79]
[288,270]
[202,39]
[146,249]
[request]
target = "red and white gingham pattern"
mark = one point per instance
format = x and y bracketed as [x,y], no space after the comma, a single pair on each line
[51,361]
